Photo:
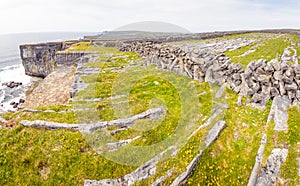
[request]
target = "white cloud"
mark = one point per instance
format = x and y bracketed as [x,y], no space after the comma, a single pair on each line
[98,15]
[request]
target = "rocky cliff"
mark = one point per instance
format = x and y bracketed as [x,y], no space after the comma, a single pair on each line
[39,60]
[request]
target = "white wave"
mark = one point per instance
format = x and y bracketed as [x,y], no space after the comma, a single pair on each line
[14,73]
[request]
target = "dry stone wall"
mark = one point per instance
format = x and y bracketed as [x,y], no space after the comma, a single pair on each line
[261,79]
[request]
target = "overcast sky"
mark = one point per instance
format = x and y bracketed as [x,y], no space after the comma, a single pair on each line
[17,16]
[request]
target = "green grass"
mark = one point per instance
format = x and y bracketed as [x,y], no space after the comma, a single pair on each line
[289,169]
[242,50]
[230,160]
[270,49]
[62,157]
[88,47]
[228,37]
[119,59]
[67,117]
[42,157]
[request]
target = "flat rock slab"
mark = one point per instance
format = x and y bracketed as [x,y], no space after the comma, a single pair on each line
[271,172]
[258,161]
[214,132]
[279,113]
[53,90]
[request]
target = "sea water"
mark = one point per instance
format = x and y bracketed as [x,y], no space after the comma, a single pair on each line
[11,68]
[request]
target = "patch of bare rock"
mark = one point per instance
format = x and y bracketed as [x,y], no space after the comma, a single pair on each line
[53,90]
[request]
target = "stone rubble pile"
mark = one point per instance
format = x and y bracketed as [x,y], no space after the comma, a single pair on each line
[262,80]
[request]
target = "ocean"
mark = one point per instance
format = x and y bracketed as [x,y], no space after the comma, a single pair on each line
[11,68]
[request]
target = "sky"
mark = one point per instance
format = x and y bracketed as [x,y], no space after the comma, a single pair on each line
[19,16]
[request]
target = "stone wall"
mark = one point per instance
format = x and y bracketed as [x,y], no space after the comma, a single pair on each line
[262,80]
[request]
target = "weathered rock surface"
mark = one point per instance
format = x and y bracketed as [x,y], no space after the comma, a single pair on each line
[279,113]
[78,84]
[271,172]
[40,60]
[12,84]
[214,132]
[122,123]
[258,161]
[114,146]
[53,90]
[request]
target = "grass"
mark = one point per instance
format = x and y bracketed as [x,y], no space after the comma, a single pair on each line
[289,169]
[270,49]
[41,157]
[242,50]
[116,60]
[230,159]
[67,117]
[89,47]
[228,37]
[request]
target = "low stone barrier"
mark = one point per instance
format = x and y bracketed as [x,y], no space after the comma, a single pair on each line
[261,79]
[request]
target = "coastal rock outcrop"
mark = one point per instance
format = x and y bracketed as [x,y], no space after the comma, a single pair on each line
[40,60]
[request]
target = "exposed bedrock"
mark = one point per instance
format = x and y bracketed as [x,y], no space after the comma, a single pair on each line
[40,60]
[271,171]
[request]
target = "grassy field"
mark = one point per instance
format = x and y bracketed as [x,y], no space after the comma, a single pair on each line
[61,157]
[231,158]
[269,49]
